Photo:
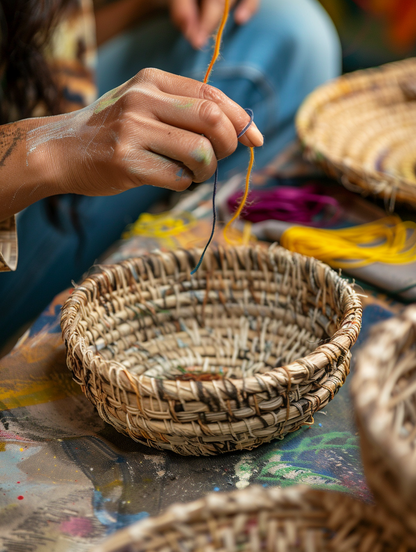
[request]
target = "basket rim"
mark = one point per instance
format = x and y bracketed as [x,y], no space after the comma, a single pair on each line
[378,182]
[375,419]
[293,373]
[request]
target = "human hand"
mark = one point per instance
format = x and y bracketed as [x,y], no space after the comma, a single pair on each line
[198,20]
[158,129]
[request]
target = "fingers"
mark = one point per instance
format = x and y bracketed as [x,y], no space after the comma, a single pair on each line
[188,89]
[156,170]
[245,11]
[185,16]
[199,117]
[177,157]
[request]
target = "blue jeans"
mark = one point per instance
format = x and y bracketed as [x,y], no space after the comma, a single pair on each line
[269,65]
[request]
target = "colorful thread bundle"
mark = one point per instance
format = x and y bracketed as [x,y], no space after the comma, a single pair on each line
[304,205]
[161,225]
[251,162]
[388,240]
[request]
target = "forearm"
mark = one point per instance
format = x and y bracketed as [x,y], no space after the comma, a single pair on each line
[118,15]
[24,178]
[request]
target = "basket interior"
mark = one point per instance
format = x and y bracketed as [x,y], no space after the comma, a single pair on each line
[222,324]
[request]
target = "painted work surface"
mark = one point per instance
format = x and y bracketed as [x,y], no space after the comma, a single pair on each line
[67,479]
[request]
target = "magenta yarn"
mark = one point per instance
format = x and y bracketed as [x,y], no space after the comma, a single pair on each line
[304,205]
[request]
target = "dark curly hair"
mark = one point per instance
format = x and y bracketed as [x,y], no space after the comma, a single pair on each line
[26,27]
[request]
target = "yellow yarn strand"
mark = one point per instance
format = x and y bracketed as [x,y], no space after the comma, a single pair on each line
[251,163]
[218,40]
[244,198]
[388,240]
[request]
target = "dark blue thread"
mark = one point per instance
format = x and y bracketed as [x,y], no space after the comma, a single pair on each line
[214,193]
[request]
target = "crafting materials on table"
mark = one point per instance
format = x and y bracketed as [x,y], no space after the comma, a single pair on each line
[297,519]
[161,225]
[242,354]
[251,162]
[307,204]
[388,240]
[384,393]
[361,128]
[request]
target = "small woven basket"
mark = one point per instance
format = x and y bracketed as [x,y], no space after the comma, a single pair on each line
[244,351]
[296,519]
[361,128]
[384,390]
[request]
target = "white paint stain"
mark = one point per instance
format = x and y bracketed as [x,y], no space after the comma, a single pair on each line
[244,470]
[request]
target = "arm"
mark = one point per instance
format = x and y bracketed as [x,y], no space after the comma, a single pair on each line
[22,183]
[157,129]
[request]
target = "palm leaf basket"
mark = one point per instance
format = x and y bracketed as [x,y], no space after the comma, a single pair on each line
[384,389]
[244,351]
[296,519]
[361,128]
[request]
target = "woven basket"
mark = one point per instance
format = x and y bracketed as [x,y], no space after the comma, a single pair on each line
[384,390]
[361,128]
[243,352]
[296,519]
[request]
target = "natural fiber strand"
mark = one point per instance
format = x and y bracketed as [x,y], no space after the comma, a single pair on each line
[245,352]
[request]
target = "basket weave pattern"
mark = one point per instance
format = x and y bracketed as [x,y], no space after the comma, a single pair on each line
[361,128]
[243,352]
[296,519]
[384,389]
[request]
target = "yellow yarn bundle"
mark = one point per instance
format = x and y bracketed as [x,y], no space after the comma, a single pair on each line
[388,240]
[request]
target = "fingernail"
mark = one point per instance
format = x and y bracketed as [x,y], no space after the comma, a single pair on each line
[254,136]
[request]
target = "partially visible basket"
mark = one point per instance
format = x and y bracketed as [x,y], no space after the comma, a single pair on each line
[295,519]
[361,128]
[384,390]
[243,352]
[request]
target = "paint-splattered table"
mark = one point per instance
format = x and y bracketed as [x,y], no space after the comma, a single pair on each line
[67,479]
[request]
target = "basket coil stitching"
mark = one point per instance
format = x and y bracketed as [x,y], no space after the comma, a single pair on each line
[361,129]
[143,304]
[384,390]
[296,519]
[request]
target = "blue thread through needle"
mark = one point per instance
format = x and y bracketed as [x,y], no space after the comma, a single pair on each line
[214,193]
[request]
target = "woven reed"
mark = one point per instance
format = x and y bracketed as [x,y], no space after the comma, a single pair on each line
[244,351]
[384,390]
[296,519]
[361,128]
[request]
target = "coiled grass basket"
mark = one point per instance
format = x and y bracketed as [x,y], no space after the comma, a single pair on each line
[244,351]
[384,390]
[296,519]
[361,129]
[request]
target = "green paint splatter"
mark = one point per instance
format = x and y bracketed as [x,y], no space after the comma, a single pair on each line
[107,100]
[202,155]
[187,105]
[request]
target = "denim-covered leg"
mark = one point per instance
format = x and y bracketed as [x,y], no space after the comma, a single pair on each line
[270,64]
